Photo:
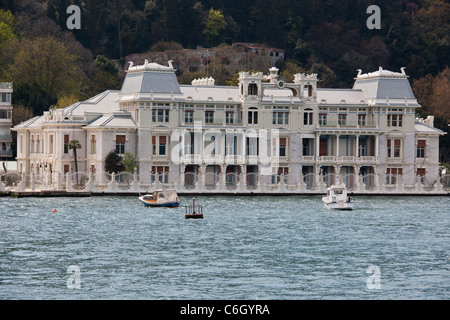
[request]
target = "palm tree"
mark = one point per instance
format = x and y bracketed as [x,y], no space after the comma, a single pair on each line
[75,144]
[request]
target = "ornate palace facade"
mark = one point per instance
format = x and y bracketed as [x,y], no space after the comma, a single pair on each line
[255,136]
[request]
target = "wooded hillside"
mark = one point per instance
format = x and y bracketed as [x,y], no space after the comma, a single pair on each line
[51,65]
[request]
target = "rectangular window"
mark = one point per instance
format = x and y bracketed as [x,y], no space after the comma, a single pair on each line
[32,144]
[229,117]
[421,148]
[308,117]
[306,147]
[159,145]
[252,146]
[342,119]
[280,117]
[120,144]
[283,146]
[93,144]
[322,119]
[209,116]
[163,173]
[362,148]
[6,97]
[66,168]
[394,148]
[397,148]
[395,120]
[51,144]
[162,145]
[160,115]
[189,116]
[252,116]
[282,171]
[391,175]
[361,120]
[66,143]
[189,143]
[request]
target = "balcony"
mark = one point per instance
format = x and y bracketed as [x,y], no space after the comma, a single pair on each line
[347,124]
[367,160]
[308,158]
[192,159]
[421,160]
[327,159]
[347,159]
[213,159]
[234,159]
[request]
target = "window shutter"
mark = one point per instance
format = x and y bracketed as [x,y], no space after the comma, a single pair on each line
[120,139]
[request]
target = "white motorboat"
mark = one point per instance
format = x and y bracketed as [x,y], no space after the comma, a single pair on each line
[337,198]
[161,198]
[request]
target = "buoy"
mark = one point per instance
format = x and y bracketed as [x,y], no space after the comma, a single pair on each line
[192,212]
[54,210]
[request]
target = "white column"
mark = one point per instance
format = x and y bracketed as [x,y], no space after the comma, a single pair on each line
[337,147]
[317,146]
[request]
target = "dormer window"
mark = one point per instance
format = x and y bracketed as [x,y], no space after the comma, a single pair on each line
[252,89]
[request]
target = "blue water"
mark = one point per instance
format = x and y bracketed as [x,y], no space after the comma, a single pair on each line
[245,248]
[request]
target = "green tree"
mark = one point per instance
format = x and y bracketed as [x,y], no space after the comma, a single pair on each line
[129,162]
[74,145]
[106,65]
[215,24]
[113,162]
[43,70]
[7,27]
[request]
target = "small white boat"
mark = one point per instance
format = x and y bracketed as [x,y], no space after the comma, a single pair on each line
[161,198]
[337,198]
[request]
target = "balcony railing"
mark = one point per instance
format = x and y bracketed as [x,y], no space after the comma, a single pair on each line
[6,85]
[347,124]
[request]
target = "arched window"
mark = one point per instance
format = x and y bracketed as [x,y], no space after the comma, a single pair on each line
[308,90]
[252,116]
[252,89]
[308,117]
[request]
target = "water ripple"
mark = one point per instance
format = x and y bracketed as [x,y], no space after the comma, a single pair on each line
[245,248]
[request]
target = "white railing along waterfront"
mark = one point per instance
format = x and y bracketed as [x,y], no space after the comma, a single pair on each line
[220,183]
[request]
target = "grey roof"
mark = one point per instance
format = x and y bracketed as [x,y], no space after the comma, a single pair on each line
[150,81]
[340,96]
[120,120]
[28,123]
[383,84]
[102,103]
[382,88]
[210,93]
[423,128]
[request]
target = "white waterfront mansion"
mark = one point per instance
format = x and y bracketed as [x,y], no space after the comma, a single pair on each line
[6,89]
[262,136]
